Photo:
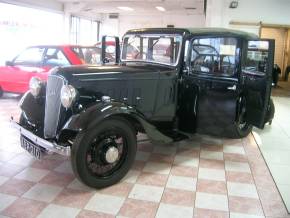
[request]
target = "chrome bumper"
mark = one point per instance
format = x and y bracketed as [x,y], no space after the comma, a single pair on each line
[49,146]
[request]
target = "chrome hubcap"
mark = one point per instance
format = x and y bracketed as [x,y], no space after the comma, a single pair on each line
[112,155]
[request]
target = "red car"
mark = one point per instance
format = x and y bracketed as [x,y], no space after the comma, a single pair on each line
[38,60]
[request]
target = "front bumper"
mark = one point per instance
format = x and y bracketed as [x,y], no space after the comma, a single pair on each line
[47,145]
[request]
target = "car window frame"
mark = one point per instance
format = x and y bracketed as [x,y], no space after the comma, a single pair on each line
[59,48]
[235,75]
[37,64]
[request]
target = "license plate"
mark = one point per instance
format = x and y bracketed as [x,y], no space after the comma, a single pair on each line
[33,149]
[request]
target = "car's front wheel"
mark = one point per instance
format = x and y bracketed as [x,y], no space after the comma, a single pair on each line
[103,156]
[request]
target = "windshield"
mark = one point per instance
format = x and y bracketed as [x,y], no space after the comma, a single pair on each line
[163,49]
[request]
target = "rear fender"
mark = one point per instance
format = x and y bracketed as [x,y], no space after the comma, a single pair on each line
[92,116]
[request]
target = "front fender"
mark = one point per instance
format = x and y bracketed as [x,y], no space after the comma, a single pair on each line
[92,116]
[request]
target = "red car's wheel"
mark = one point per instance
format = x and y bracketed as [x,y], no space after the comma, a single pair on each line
[1,92]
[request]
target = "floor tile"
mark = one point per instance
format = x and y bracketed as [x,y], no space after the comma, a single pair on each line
[57,179]
[161,158]
[142,156]
[168,210]
[186,161]
[64,167]
[210,186]
[242,215]
[23,159]
[46,164]
[212,164]
[184,171]
[73,198]
[212,155]
[119,189]
[152,179]
[245,205]
[6,156]
[6,200]
[211,201]
[24,208]
[188,152]
[76,184]
[57,211]
[131,176]
[92,214]
[138,208]
[16,187]
[32,174]
[165,149]
[235,157]
[181,182]
[155,167]
[281,173]
[3,179]
[237,167]
[242,190]
[146,193]
[43,192]
[211,174]
[105,204]
[10,170]
[205,213]
[285,193]
[178,197]
[239,177]
[234,149]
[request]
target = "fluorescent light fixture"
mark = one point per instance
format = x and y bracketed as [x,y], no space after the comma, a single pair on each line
[126,8]
[159,8]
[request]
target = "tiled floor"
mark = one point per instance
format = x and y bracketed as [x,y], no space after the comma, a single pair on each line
[274,141]
[203,177]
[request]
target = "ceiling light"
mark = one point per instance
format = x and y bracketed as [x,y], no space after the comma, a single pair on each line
[159,8]
[126,8]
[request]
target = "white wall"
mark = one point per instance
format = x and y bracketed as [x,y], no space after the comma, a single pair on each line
[126,22]
[266,11]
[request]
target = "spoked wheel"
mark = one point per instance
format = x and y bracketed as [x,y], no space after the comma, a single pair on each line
[103,156]
[241,127]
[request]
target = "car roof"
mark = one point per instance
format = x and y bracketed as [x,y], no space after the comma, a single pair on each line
[196,32]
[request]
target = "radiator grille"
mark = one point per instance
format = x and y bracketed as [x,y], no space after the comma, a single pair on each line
[52,106]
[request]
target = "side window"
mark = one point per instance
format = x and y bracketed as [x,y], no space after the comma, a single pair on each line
[217,56]
[55,57]
[30,56]
[257,56]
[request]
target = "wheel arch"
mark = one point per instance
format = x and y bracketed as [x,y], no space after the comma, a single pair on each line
[93,116]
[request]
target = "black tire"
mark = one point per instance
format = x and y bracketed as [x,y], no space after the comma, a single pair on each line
[240,128]
[88,152]
[270,112]
[1,93]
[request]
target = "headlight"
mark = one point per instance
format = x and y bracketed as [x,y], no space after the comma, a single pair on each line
[67,95]
[35,85]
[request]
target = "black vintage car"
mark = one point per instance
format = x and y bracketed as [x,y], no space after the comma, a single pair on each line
[166,82]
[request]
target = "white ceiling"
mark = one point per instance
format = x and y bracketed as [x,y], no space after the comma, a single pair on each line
[141,7]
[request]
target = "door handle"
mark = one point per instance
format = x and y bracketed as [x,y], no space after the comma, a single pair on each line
[234,87]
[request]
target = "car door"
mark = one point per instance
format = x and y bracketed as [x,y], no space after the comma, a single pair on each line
[210,88]
[256,78]
[17,75]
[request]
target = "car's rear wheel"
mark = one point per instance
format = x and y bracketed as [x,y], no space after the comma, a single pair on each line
[103,156]
[1,93]
[241,127]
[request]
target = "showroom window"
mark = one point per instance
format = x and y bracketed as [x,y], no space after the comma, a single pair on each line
[215,56]
[27,27]
[84,31]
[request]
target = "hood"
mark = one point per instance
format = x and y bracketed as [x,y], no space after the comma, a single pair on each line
[97,72]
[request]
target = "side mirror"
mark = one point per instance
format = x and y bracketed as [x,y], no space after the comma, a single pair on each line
[110,49]
[9,63]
